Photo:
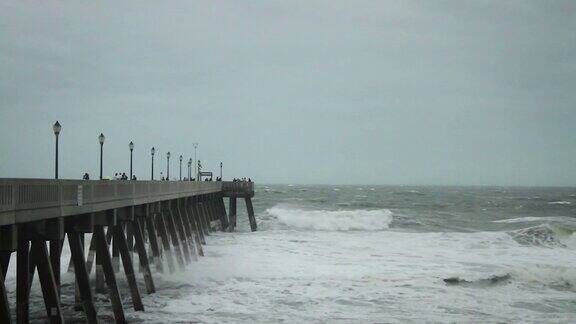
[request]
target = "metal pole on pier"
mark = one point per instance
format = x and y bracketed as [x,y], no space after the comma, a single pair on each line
[101,139]
[168,166]
[180,167]
[195,159]
[57,128]
[131,146]
[190,169]
[152,151]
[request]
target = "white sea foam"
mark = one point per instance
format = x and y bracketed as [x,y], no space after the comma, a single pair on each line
[522,220]
[559,203]
[350,277]
[333,220]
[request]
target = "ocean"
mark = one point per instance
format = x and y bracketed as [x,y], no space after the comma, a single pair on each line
[373,254]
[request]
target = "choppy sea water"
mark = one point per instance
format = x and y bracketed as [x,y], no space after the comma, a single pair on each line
[365,254]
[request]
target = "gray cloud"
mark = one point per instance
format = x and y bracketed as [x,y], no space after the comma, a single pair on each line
[382,92]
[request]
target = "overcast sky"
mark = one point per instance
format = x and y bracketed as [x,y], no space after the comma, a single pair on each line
[337,92]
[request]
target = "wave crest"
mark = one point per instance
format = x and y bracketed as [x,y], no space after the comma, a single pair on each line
[545,235]
[337,220]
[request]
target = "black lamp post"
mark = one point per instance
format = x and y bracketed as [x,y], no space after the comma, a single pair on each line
[220,171]
[180,167]
[168,166]
[57,128]
[195,159]
[152,151]
[101,139]
[131,146]
[190,169]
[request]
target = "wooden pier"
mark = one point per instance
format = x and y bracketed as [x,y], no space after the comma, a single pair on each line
[126,218]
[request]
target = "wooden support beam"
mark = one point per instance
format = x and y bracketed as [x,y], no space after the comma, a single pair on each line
[92,250]
[218,212]
[153,239]
[115,256]
[128,267]
[100,287]
[83,223]
[130,241]
[165,241]
[77,296]
[202,217]
[39,252]
[142,255]
[9,238]
[4,305]
[232,211]
[179,225]
[82,282]
[103,250]
[22,278]
[215,215]
[251,217]
[5,261]
[55,256]
[208,204]
[182,210]
[222,210]
[196,232]
[167,216]
[195,222]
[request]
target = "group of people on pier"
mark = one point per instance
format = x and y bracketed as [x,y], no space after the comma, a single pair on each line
[242,180]
[122,176]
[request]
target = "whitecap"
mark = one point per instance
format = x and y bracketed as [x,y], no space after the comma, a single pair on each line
[334,220]
[559,203]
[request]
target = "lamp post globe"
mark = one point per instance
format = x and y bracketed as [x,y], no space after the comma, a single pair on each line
[101,139]
[131,146]
[152,151]
[56,128]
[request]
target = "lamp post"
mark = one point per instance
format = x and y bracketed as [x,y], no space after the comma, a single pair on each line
[195,159]
[101,139]
[180,167]
[55,246]
[220,171]
[131,146]
[152,151]
[190,169]
[57,128]
[168,166]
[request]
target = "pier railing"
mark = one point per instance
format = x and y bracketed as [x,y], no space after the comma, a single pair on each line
[25,200]
[238,188]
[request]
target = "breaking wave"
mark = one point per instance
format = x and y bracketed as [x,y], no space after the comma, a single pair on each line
[545,235]
[337,220]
